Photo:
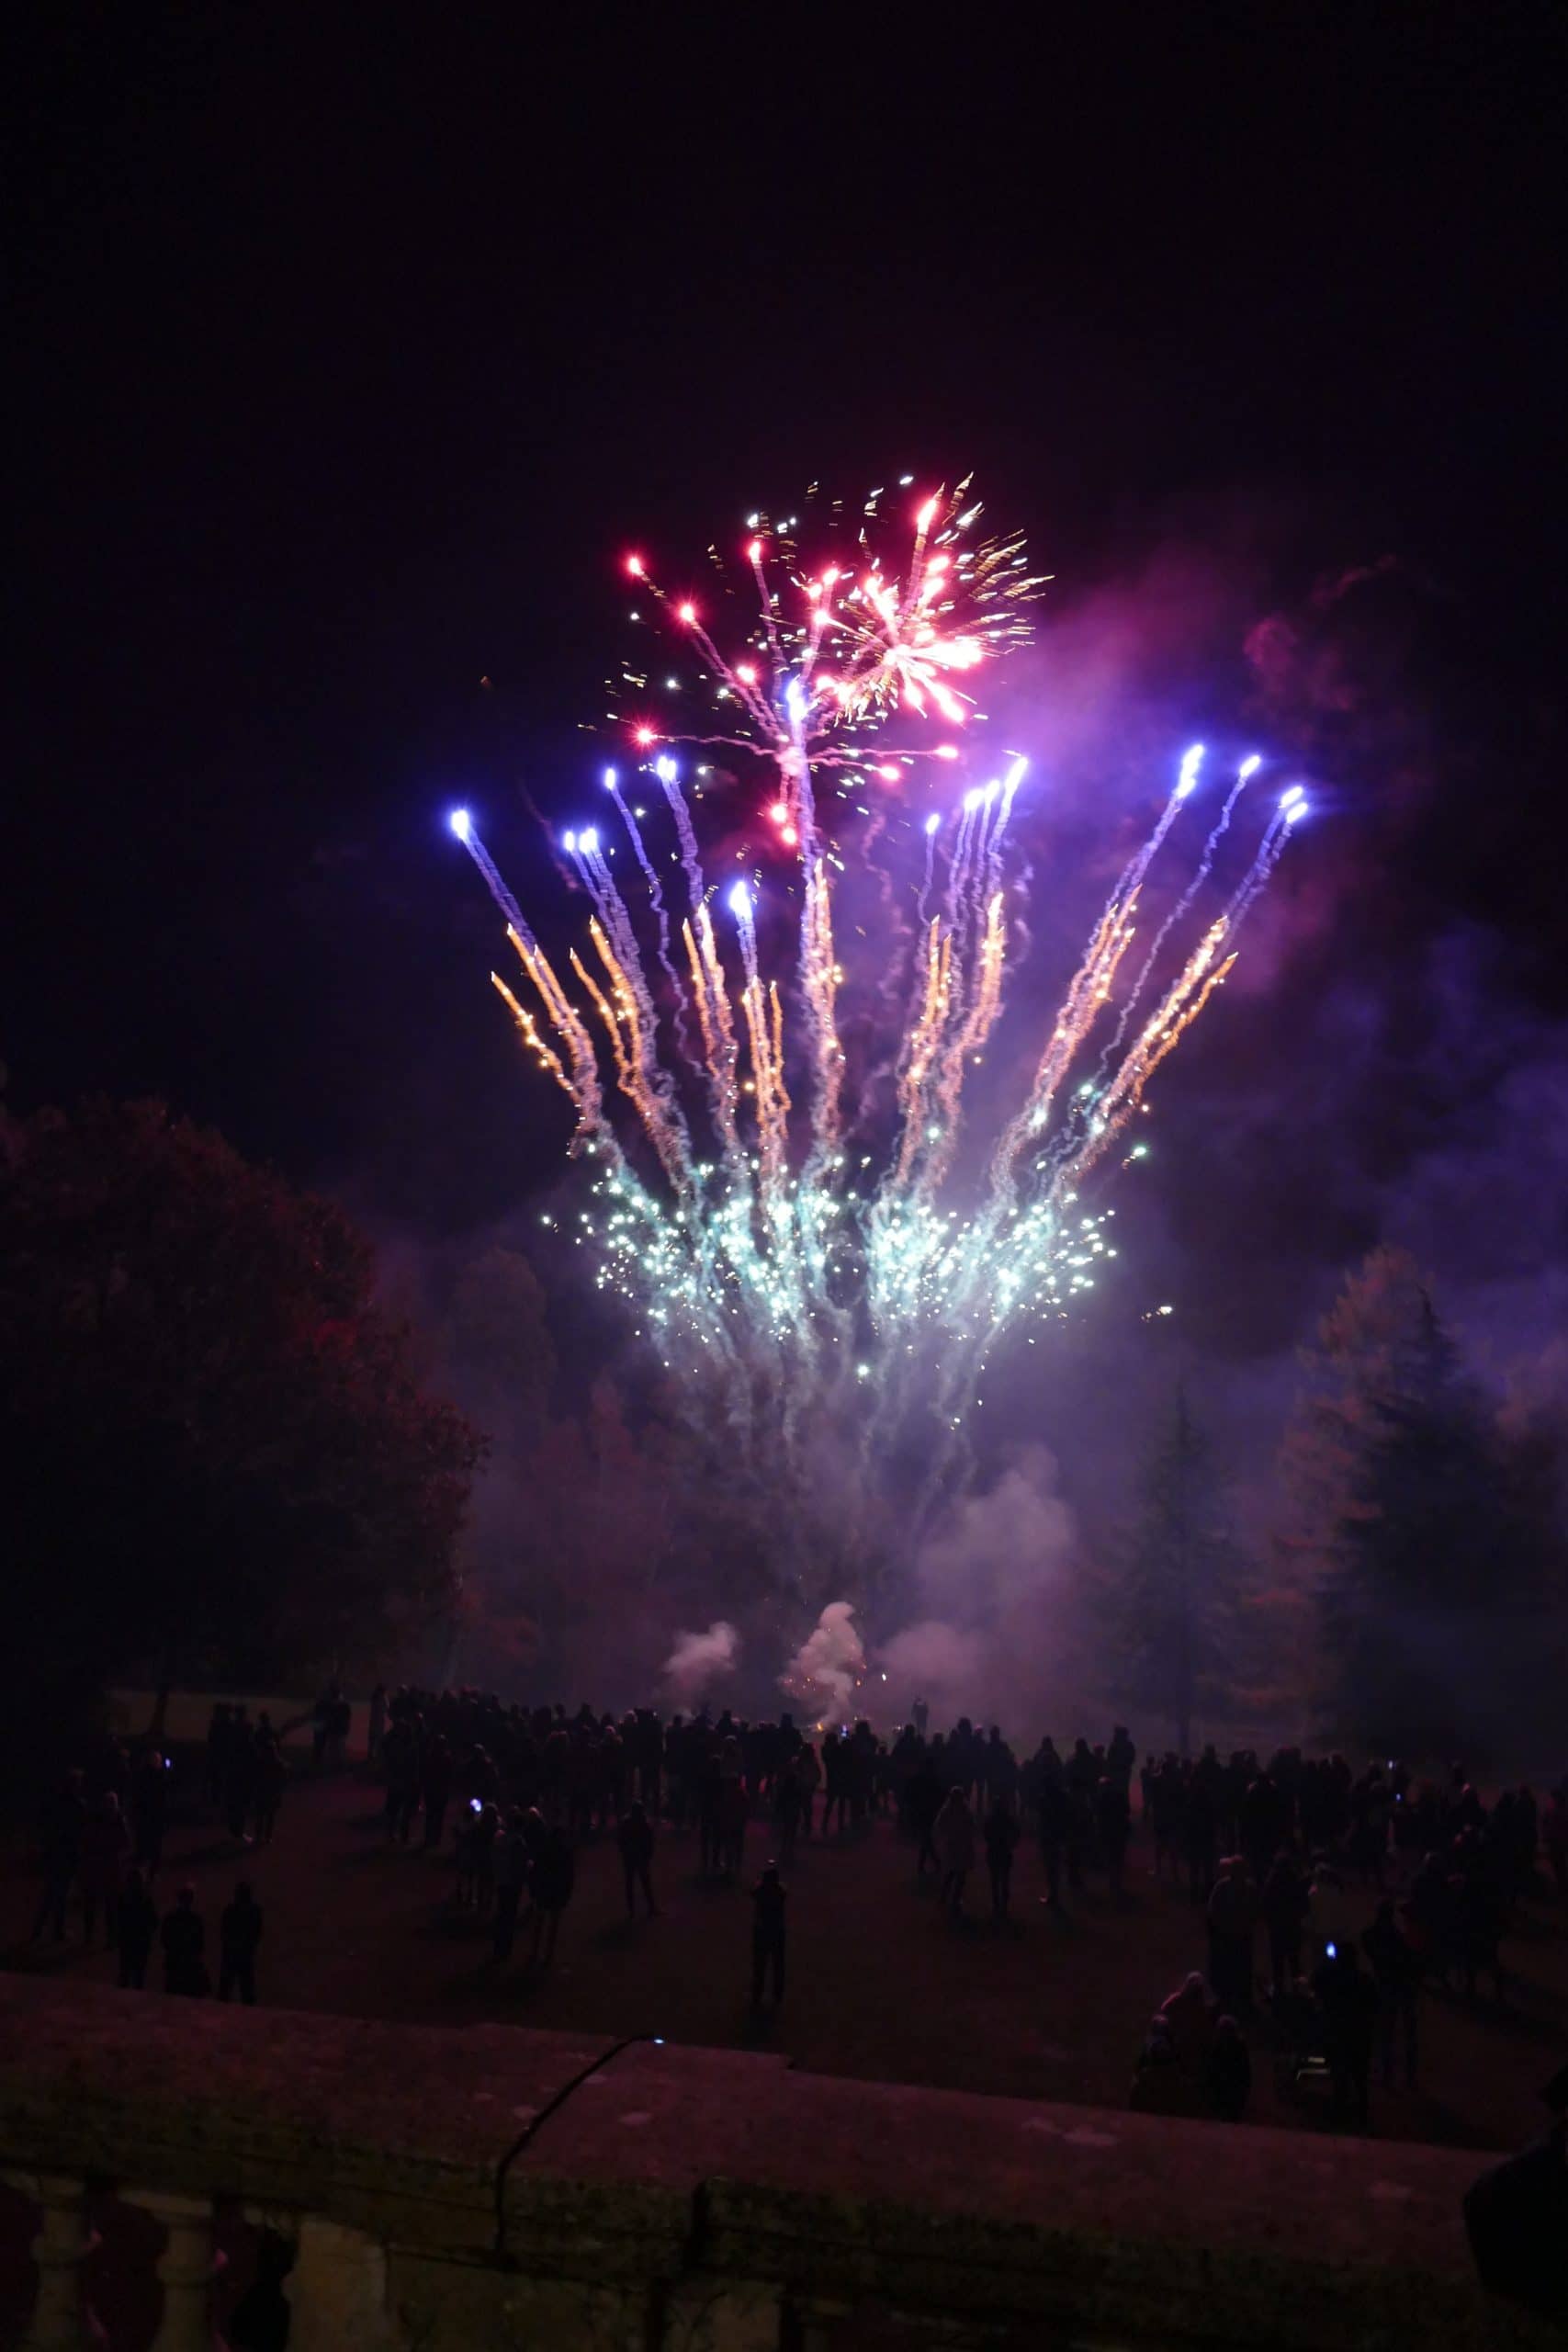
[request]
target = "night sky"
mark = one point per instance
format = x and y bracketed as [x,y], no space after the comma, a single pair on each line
[354,348]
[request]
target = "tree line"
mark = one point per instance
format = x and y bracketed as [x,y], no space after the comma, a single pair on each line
[225,1459]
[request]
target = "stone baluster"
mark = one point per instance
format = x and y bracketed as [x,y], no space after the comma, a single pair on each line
[337,2291]
[186,2268]
[62,2319]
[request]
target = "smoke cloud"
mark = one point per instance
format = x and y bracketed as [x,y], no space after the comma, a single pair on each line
[829,1664]
[1001,1638]
[698,1660]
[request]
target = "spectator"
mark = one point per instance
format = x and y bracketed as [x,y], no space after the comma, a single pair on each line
[789,1803]
[808,1773]
[1113,1822]
[1233,1917]
[555,1877]
[1517,2217]
[1001,1839]
[376,1730]
[510,1874]
[1189,2014]
[1284,1903]
[63,1824]
[239,1934]
[399,1760]
[634,1838]
[734,1806]
[1161,2085]
[769,1898]
[149,1810]
[1396,1972]
[106,1851]
[923,1798]
[953,1838]
[1349,2003]
[138,1926]
[184,1939]
[1229,2072]
[436,1786]
[271,1779]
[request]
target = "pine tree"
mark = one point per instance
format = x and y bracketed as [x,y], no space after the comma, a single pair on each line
[1422,1525]
[1177,1598]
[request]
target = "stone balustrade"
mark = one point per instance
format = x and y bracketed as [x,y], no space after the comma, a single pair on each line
[692,2200]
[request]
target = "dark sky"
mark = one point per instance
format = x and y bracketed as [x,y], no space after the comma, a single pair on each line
[355,346]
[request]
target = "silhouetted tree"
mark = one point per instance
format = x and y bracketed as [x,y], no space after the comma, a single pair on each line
[1424,1526]
[216,1457]
[1176,1596]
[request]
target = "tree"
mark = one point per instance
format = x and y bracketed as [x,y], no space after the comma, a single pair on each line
[1176,1601]
[217,1459]
[1424,1526]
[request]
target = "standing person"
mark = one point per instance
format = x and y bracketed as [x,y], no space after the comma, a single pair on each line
[435,1785]
[923,1796]
[239,1934]
[183,1939]
[1396,1972]
[788,1803]
[486,1829]
[555,1878]
[510,1871]
[1055,1813]
[1284,1903]
[1233,1917]
[953,1838]
[1349,2003]
[60,1840]
[769,1899]
[106,1851]
[376,1729]
[734,1806]
[239,1778]
[149,1811]
[1189,2014]
[709,1790]
[634,1835]
[216,1767]
[271,1779]
[808,1773]
[399,1757]
[1229,2072]
[1001,1839]
[138,1926]
[1113,1820]
[919,1715]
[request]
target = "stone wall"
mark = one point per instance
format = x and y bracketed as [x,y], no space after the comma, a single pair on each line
[701,2201]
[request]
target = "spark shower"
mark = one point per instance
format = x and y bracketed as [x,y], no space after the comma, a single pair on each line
[826,1252]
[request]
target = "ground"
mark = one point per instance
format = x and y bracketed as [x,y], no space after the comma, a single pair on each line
[881,1984]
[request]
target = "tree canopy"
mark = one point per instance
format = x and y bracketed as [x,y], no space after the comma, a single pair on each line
[216,1456]
[1426,1524]
[1176,1599]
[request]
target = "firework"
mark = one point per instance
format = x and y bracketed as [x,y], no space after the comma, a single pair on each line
[834,647]
[837,1256]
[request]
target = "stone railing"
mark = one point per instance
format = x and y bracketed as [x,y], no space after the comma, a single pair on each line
[459,2190]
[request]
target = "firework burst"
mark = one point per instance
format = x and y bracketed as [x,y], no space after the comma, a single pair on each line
[834,647]
[812,1256]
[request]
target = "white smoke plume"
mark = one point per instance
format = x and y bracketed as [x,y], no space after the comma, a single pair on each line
[995,1580]
[699,1660]
[828,1666]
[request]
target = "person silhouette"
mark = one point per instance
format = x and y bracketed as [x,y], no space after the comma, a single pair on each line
[769,1899]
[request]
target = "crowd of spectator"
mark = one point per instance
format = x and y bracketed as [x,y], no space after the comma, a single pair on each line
[1279,1860]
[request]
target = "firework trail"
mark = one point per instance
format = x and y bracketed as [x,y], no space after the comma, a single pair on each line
[860,1287]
